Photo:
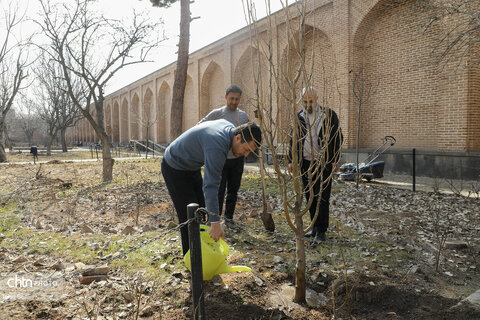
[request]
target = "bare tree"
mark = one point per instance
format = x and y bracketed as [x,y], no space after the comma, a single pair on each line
[147,121]
[362,90]
[278,80]
[12,70]
[460,22]
[180,81]
[53,101]
[93,48]
[28,118]
[456,26]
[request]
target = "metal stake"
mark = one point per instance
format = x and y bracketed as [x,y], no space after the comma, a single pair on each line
[196,263]
[413,169]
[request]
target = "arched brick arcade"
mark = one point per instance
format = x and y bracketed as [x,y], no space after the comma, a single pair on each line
[434,110]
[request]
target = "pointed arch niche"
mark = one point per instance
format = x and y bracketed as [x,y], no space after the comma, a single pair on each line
[135,118]
[212,89]
[164,100]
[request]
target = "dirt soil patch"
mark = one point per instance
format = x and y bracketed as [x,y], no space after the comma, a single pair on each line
[389,254]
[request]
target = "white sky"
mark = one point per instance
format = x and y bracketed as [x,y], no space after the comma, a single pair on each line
[218,18]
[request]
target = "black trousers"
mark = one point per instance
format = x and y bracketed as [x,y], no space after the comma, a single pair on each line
[321,224]
[231,180]
[184,187]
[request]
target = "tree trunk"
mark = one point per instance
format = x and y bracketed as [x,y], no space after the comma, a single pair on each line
[267,219]
[300,283]
[30,139]
[63,139]
[49,144]
[8,142]
[3,155]
[180,82]
[107,158]
[99,127]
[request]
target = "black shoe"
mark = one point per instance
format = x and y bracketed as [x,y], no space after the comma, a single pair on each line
[319,237]
[229,223]
[311,233]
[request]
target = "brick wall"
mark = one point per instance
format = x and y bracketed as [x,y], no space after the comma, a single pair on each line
[423,104]
[473,143]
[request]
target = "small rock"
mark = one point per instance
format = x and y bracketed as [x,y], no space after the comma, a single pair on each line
[57,266]
[86,229]
[147,311]
[315,299]
[128,296]
[70,268]
[258,281]
[20,259]
[101,270]
[80,266]
[413,269]
[90,279]
[148,228]
[128,230]
[455,244]
[38,225]
[277,259]
[474,298]
[106,229]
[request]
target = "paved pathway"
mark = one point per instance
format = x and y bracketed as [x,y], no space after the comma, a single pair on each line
[69,160]
[465,187]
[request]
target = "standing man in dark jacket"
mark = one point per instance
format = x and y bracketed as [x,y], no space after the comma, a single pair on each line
[206,144]
[318,150]
[233,168]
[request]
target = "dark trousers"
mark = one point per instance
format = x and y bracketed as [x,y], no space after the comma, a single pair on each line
[184,187]
[321,224]
[231,180]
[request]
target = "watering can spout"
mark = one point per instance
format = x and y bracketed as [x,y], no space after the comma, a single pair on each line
[225,268]
[213,256]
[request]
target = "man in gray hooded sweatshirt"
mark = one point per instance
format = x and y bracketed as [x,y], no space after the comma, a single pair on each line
[233,168]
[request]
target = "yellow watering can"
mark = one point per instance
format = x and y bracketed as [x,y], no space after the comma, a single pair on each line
[213,256]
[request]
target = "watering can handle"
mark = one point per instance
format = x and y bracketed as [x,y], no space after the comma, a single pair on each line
[204,228]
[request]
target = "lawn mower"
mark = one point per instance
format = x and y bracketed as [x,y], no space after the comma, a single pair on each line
[368,169]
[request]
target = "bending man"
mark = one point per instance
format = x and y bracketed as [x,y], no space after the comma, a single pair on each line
[206,144]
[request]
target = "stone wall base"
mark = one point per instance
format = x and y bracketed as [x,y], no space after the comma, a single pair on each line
[434,164]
